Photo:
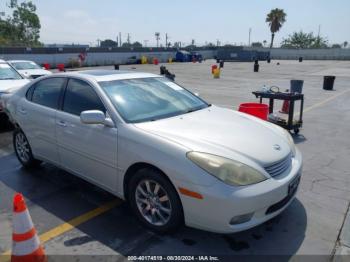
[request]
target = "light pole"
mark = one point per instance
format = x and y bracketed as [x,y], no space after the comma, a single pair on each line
[157,35]
[250,32]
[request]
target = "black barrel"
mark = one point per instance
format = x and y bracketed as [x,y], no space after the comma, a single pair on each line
[256,67]
[116,67]
[162,70]
[296,86]
[256,61]
[221,63]
[300,59]
[268,60]
[328,82]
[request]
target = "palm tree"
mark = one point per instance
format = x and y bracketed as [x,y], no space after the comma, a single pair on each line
[276,19]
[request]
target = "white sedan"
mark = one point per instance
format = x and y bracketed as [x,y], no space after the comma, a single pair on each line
[29,68]
[10,81]
[174,157]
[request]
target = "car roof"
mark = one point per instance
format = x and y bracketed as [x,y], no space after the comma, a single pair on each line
[16,61]
[110,75]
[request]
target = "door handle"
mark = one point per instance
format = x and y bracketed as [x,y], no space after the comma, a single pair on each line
[62,123]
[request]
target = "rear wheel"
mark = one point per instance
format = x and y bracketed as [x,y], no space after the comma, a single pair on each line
[23,150]
[154,201]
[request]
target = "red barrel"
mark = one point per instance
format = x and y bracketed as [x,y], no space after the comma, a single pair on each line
[255,109]
[155,61]
[213,67]
[46,66]
[60,67]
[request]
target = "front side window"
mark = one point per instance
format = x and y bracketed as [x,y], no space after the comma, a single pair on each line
[149,99]
[47,92]
[8,73]
[79,97]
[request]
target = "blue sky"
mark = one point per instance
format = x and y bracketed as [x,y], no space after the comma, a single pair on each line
[85,21]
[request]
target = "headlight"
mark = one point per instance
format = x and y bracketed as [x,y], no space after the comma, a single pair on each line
[290,142]
[229,171]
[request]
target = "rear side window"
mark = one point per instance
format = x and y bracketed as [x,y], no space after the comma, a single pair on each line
[47,92]
[79,97]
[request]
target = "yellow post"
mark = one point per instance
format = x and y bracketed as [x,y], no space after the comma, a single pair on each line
[216,73]
[170,60]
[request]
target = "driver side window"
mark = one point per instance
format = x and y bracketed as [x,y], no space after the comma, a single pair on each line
[79,97]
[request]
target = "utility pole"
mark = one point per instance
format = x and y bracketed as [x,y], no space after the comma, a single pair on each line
[166,40]
[157,35]
[250,32]
[128,39]
[120,39]
[117,41]
[319,31]
[98,42]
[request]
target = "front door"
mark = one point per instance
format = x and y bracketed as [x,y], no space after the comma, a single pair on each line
[87,150]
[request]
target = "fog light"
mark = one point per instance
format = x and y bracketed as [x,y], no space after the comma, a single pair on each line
[241,219]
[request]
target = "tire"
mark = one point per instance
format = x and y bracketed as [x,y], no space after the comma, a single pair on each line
[161,204]
[23,150]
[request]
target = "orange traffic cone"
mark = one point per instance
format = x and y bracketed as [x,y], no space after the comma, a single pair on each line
[285,107]
[25,241]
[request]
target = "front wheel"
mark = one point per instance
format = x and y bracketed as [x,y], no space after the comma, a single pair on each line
[154,201]
[23,150]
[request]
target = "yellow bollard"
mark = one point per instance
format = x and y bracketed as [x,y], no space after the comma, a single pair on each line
[170,60]
[216,73]
[143,60]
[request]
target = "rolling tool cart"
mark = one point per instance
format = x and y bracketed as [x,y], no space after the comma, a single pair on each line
[290,123]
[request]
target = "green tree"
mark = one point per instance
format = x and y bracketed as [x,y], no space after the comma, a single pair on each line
[336,46]
[137,45]
[108,43]
[23,27]
[304,40]
[276,18]
[345,44]
[257,44]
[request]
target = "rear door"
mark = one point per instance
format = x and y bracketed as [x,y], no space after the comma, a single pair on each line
[37,117]
[87,150]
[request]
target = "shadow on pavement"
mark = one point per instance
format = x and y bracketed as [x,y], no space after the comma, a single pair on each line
[55,196]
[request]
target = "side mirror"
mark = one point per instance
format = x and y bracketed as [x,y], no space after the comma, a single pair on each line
[95,117]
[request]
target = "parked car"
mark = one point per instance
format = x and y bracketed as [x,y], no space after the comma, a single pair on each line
[170,154]
[29,68]
[10,80]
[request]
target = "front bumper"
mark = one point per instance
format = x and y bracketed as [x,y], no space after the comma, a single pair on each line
[221,202]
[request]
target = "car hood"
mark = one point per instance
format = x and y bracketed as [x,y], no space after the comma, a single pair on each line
[9,86]
[30,72]
[224,132]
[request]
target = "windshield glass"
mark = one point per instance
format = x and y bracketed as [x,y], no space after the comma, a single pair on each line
[8,73]
[25,65]
[149,99]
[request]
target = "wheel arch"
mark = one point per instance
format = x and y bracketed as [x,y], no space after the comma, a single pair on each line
[142,165]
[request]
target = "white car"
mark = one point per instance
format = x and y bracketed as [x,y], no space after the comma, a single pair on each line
[10,81]
[29,68]
[173,156]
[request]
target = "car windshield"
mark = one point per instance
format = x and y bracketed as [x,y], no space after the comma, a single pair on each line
[150,99]
[25,65]
[8,73]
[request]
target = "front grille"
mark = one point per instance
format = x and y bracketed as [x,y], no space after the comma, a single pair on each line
[279,167]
